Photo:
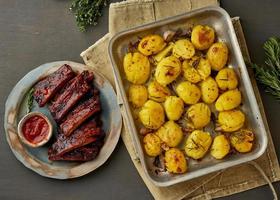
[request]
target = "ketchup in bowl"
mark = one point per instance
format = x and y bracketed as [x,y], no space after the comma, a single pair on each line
[35,129]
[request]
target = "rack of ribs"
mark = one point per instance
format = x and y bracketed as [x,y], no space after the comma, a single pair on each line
[79,114]
[68,96]
[45,89]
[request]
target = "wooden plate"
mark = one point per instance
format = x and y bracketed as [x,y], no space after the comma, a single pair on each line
[37,159]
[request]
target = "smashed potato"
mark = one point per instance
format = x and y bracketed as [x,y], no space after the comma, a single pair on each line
[152,144]
[174,107]
[228,100]
[209,90]
[183,49]
[137,95]
[136,68]
[157,92]
[242,140]
[175,161]
[220,147]
[217,55]
[158,57]
[230,121]
[167,70]
[190,73]
[188,92]
[198,144]
[202,37]
[227,79]
[198,115]
[170,133]
[151,44]
[152,115]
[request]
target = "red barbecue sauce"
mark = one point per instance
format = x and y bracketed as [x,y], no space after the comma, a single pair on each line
[35,129]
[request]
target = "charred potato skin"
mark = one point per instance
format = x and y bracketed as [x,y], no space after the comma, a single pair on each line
[183,49]
[152,144]
[227,79]
[174,107]
[220,147]
[202,37]
[175,161]
[188,92]
[209,90]
[198,144]
[137,95]
[151,44]
[136,68]
[199,115]
[170,133]
[242,141]
[217,55]
[152,115]
[228,100]
[157,92]
[230,121]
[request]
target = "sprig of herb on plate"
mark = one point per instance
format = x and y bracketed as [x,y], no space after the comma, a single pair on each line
[87,12]
[269,74]
[30,99]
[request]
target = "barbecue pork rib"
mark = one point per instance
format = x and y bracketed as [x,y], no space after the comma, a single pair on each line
[67,98]
[45,89]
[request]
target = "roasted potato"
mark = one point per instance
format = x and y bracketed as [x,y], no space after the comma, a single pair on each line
[167,70]
[230,121]
[152,115]
[151,44]
[136,68]
[137,95]
[183,49]
[158,57]
[174,107]
[204,68]
[209,90]
[242,140]
[202,37]
[170,133]
[190,73]
[188,92]
[198,115]
[197,144]
[157,92]
[152,144]
[227,79]
[220,147]
[228,100]
[217,55]
[175,161]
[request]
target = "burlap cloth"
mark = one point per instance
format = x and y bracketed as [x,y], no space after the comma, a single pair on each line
[131,13]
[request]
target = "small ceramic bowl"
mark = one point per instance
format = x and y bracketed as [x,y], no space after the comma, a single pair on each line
[22,137]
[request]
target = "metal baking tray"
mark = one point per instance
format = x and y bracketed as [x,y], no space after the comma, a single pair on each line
[221,22]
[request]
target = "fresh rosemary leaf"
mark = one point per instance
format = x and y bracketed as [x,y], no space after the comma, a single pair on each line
[30,99]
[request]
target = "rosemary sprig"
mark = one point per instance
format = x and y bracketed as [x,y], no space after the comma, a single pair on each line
[87,12]
[269,74]
[30,99]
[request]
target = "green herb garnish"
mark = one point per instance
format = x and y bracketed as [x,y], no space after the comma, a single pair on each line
[30,99]
[87,12]
[269,74]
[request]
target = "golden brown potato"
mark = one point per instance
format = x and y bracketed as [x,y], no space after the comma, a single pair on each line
[170,133]
[152,144]
[204,68]
[174,107]
[151,44]
[188,92]
[167,70]
[137,95]
[197,144]
[220,147]
[175,161]
[190,73]
[218,55]
[228,100]
[199,115]
[242,140]
[202,37]
[152,115]
[158,57]
[136,68]
[230,121]
[209,90]
[227,79]
[157,92]
[183,49]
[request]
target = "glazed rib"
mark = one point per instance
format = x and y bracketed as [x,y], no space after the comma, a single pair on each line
[45,89]
[70,95]
[86,134]
[79,114]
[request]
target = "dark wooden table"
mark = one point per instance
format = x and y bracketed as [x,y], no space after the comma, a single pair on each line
[34,32]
